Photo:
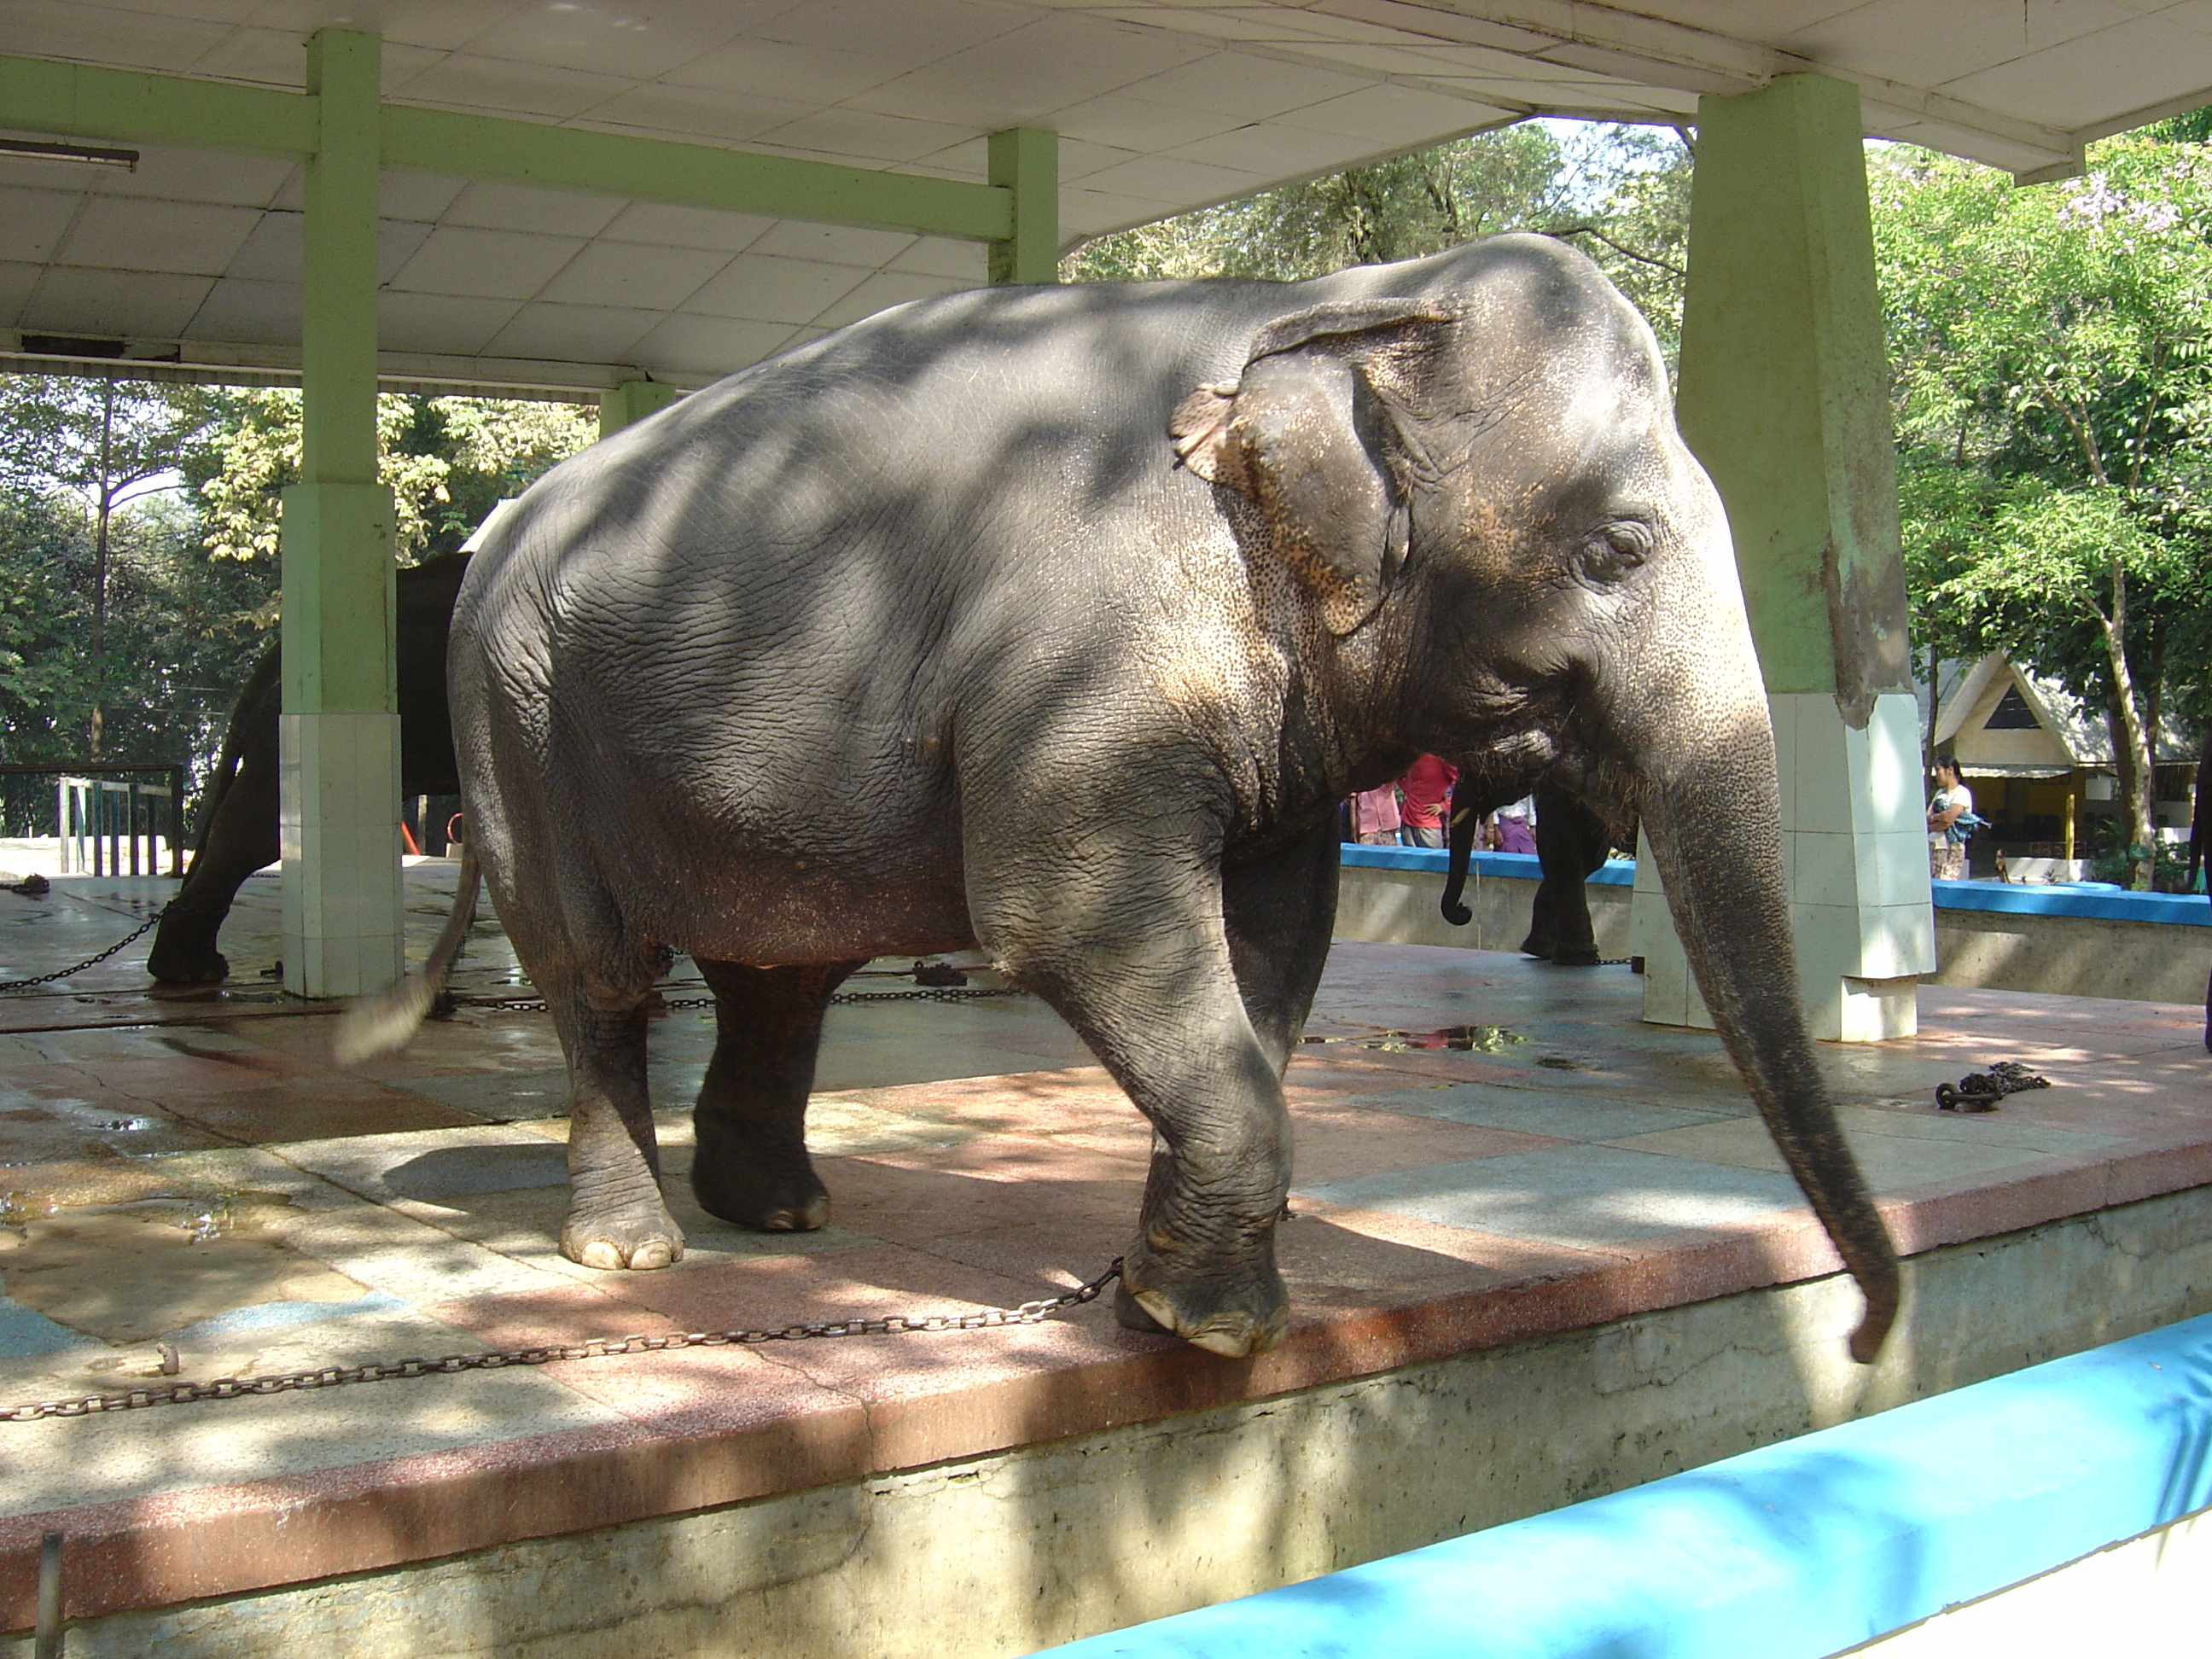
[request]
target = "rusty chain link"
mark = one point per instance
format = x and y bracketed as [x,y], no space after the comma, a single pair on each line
[328,1377]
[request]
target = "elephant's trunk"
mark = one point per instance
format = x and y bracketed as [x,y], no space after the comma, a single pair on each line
[1459,845]
[1715,827]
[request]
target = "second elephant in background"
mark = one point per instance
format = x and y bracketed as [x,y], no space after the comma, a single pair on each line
[1573,838]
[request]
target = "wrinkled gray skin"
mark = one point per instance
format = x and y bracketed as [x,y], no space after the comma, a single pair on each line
[1057,621]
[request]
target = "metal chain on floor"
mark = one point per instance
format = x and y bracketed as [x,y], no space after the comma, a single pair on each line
[1979,1091]
[145,928]
[331,1376]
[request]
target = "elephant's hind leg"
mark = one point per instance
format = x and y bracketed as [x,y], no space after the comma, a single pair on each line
[752,1165]
[617,1218]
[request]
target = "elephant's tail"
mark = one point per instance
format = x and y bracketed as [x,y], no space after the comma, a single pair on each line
[378,1025]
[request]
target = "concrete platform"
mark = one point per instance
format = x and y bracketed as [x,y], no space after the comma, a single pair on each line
[1539,1251]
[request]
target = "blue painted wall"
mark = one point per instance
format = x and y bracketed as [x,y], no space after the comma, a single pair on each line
[1796,1551]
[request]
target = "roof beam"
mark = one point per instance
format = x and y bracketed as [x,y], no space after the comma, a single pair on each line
[417,140]
[131,106]
[127,106]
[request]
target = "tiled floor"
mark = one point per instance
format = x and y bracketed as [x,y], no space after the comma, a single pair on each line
[192,1170]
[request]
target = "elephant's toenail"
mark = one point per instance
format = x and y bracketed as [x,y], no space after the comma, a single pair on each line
[600,1254]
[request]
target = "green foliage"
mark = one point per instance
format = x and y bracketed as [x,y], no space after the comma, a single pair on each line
[185,480]
[2051,347]
[1620,193]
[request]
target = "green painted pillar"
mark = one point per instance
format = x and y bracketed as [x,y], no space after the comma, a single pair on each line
[1784,396]
[338,739]
[1026,160]
[632,400]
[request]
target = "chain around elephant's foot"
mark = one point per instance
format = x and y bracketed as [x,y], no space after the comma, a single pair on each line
[1231,1308]
[619,1222]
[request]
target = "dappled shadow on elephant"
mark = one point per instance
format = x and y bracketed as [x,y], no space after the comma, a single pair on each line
[238,825]
[1057,621]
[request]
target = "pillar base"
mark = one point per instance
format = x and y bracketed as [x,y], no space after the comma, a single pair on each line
[1855,850]
[339,832]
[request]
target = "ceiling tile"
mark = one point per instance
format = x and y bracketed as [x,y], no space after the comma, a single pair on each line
[272,56]
[16,281]
[914,31]
[615,274]
[248,313]
[779,68]
[764,288]
[190,175]
[640,41]
[492,265]
[1276,148]
[1920,45]
[438,322]
[846,132]
[712,346]
[584,334]
[36,220]
[1168,178]
[838,244]
[666,226]
[1251,88]
[2138,65]
[458,82]
[934,256]
[420,196]
[438,26]
[1085,212]
[192,238]
[1029,73]
[1080,161]
[883,291]
[1389,115]
[104,34]
[1135,124]
[683,112]
[518,207]
[137,305]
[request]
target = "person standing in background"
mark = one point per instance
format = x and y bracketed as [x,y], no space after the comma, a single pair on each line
[1427,787]
[1374,817]
[1947,848]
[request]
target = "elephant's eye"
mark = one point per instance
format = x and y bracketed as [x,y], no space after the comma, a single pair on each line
[1619,548]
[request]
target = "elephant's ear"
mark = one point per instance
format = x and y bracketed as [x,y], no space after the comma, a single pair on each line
[1303,435]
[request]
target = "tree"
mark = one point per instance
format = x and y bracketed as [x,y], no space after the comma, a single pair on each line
[2050,349]
[110,442]
[1622,193]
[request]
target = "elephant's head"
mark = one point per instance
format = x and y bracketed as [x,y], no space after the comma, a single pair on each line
[1482,489]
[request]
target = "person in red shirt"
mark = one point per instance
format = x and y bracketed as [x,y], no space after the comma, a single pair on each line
[1426,789]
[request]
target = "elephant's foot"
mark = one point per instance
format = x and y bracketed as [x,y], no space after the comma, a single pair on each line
[201,966]
[767,1189]
[1534,947]
[1575,956]
[621,1224]
[1233,1313]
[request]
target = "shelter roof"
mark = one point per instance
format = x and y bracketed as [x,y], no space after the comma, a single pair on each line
[1162,105]
[2080,731]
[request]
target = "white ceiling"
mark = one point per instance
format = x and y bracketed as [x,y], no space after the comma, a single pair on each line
[1162,105]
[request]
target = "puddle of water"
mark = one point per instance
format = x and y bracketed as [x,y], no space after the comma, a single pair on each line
[1459,1039]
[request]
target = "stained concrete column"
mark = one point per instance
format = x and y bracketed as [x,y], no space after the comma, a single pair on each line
[632,400]
[1784,397]
[338,739]
[1026,160]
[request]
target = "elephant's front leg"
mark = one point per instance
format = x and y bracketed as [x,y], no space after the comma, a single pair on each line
[617,1218]
[1132,952]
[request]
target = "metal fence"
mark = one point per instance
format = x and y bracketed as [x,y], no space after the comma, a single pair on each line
[111,819]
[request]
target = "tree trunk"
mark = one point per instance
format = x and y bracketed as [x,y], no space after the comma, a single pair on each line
[2131,756]
[99,566]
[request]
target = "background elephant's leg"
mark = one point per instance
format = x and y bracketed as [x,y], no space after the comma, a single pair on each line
[239,838]
[617,1218]
[752,1165]
[1567,834]
[1137,960]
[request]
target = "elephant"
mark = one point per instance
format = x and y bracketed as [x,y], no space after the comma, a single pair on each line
[237,823]
[1056,621]
[1572,840]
